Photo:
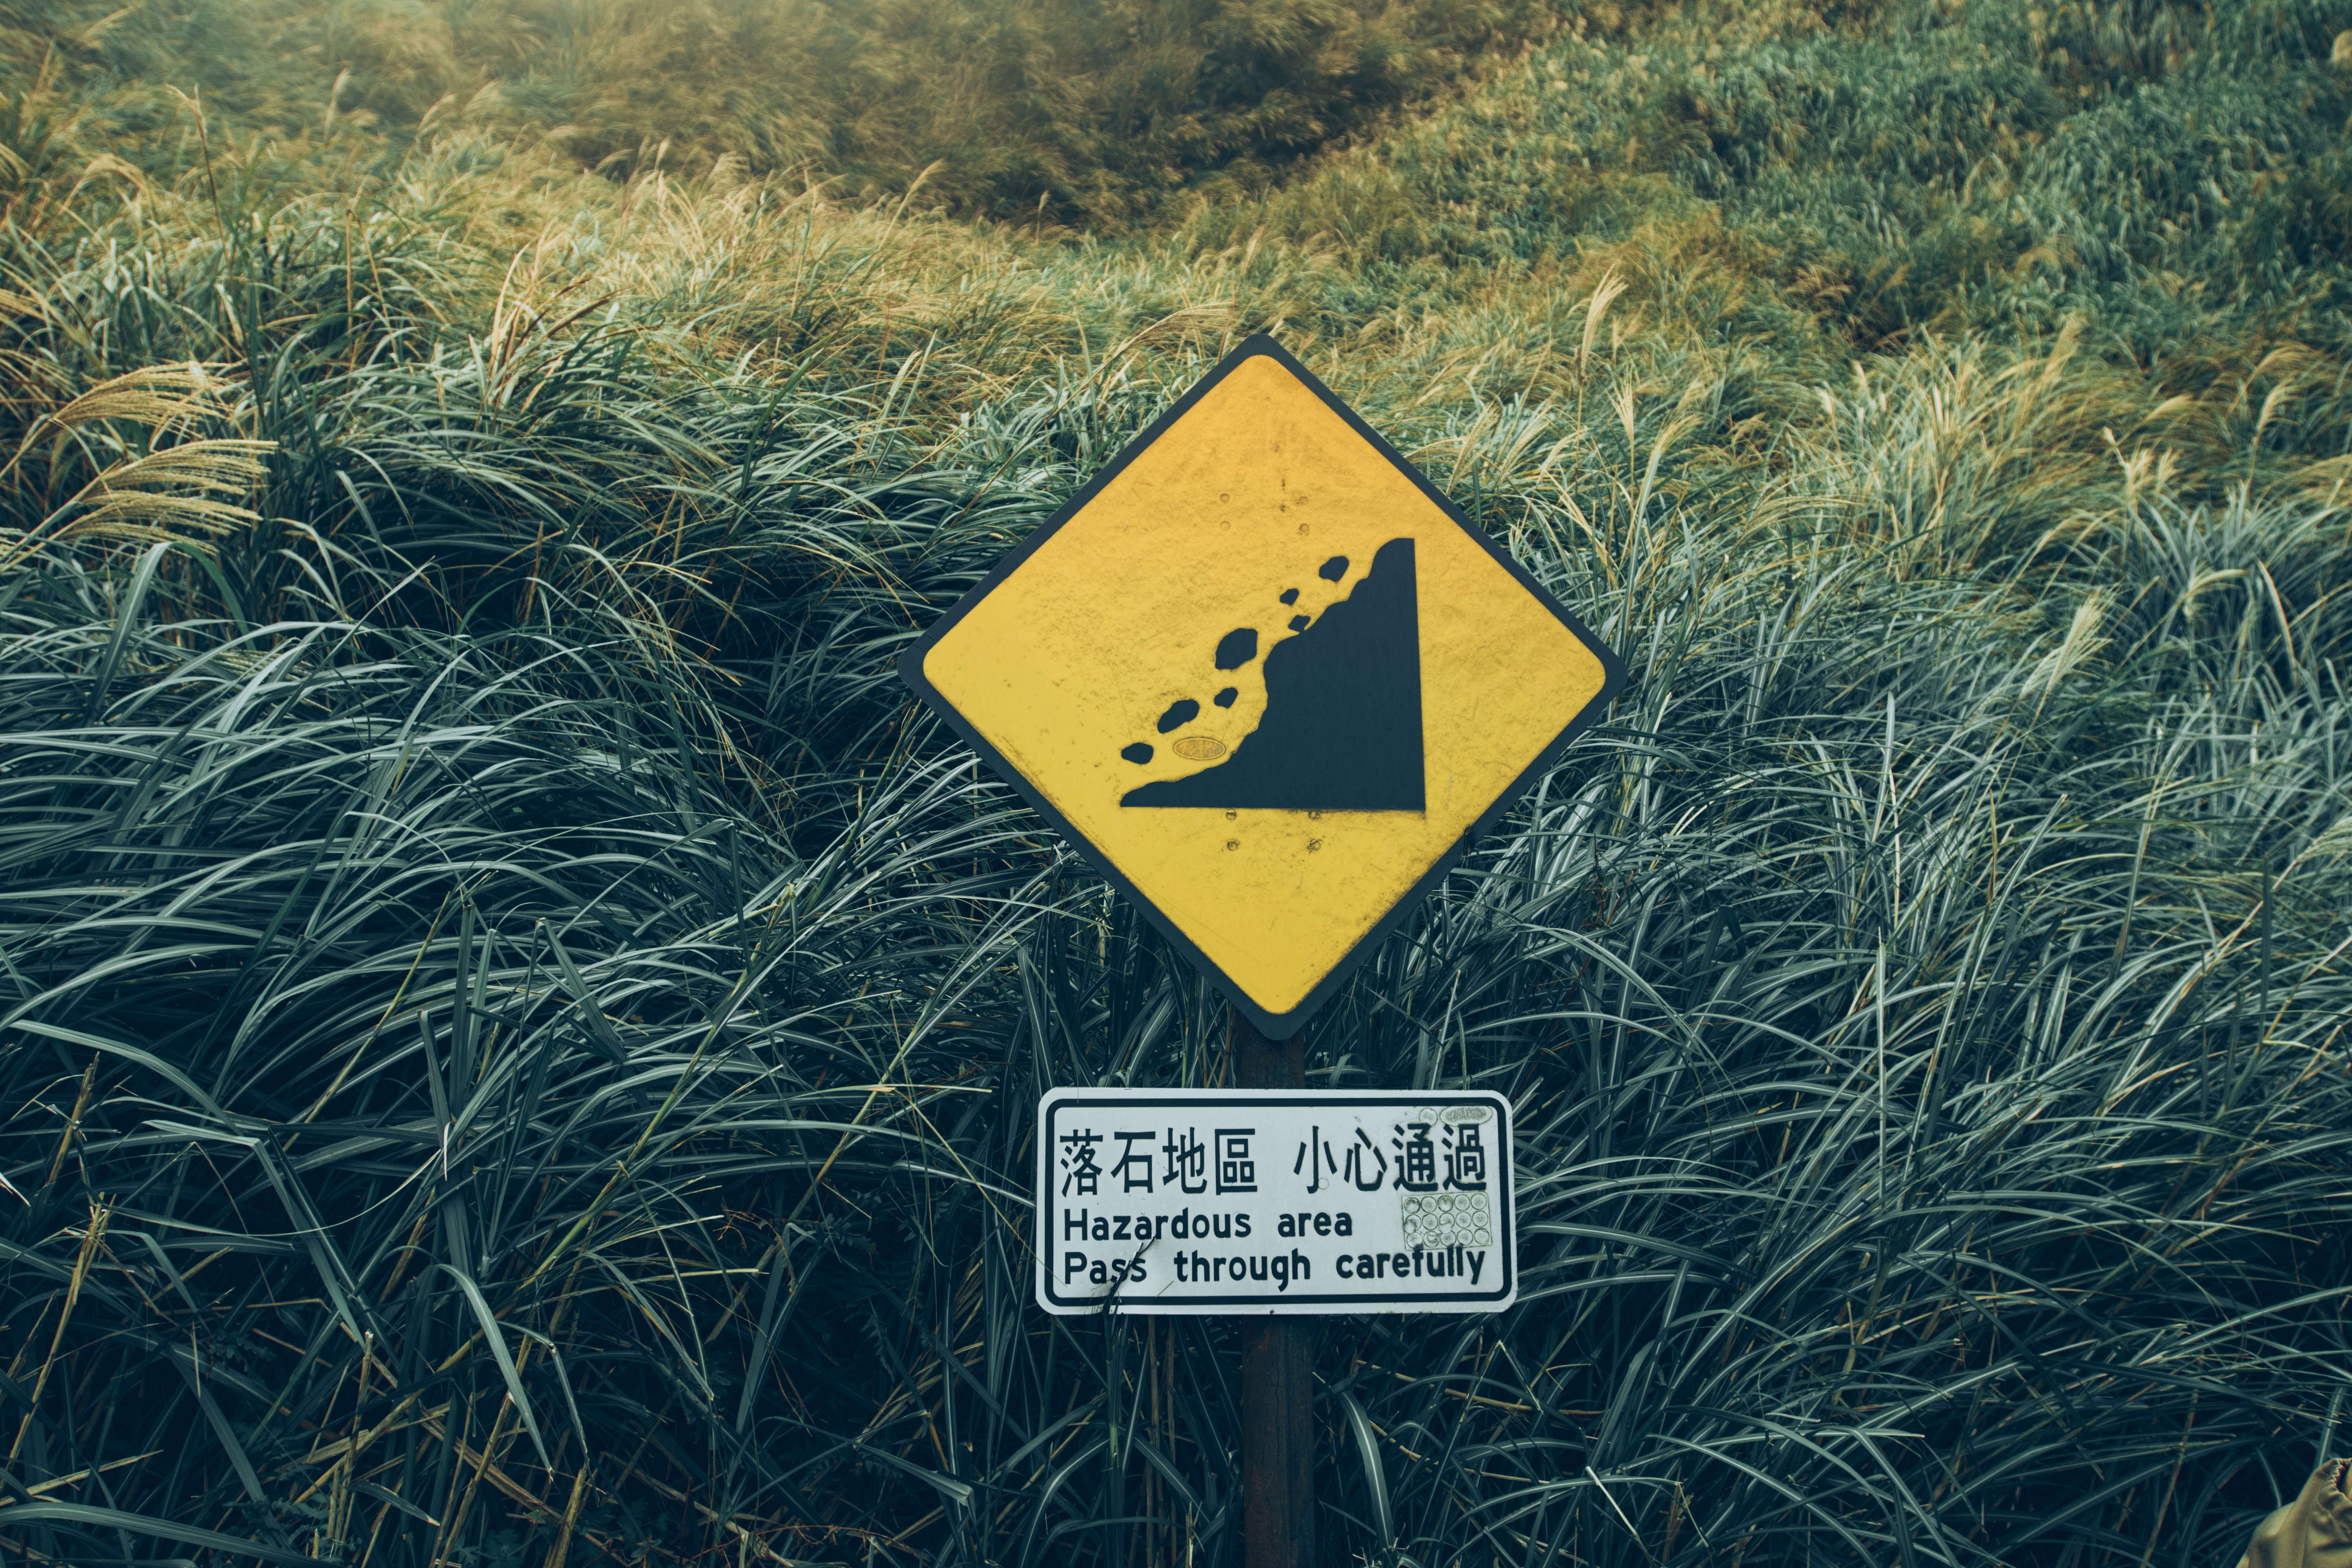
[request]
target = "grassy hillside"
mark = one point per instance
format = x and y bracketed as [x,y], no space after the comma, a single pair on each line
[1039,111]
[521,1040]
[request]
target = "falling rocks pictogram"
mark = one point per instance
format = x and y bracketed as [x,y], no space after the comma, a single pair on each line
[1342,726]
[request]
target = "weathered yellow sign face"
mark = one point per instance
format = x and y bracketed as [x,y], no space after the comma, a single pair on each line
[1266,679]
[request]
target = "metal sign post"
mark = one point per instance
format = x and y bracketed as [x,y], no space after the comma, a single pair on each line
[1278,1375]
[1272,684]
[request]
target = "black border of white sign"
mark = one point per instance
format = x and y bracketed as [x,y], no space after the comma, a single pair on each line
[1231,1165]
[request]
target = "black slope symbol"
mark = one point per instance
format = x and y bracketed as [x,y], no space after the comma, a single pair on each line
[1342,724]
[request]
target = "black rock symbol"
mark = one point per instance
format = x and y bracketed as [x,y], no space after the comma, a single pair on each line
[1342,725]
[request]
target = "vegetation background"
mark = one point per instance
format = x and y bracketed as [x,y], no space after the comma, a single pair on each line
[520,1040]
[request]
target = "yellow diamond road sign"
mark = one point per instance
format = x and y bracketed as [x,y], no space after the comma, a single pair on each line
[1266,679]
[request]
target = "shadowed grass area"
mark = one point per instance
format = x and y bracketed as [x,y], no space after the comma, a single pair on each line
[521,1040]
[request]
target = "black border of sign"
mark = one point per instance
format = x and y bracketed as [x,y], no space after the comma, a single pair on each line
[1505,1178]
[1273,1025]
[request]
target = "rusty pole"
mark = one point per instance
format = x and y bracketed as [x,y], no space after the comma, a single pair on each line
[1278,1385]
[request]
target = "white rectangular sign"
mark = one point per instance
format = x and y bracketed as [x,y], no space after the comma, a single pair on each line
[1247,1201]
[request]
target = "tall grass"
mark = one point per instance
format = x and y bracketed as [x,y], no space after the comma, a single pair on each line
[1042,114]
[521,1039]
